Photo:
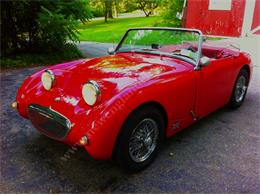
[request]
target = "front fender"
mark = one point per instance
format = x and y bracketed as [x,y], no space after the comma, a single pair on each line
[107,123]
[105,128]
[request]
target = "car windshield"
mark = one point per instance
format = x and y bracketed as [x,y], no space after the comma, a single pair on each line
[177,43]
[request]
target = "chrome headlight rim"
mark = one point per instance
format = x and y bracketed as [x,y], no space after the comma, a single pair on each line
[52,77]
[97,91]
[96,86]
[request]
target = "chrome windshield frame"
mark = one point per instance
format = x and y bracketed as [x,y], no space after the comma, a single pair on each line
[196,64]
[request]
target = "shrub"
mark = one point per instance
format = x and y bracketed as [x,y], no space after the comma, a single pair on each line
[40,26]
[169,11]
[69,52]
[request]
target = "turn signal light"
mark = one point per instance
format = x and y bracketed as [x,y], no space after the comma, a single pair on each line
[14,105]
[83,141]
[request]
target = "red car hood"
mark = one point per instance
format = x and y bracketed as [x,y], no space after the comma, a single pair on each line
[112,73]
[115,72]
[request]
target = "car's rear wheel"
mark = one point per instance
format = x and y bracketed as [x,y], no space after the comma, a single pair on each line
[240,89]
[140,138]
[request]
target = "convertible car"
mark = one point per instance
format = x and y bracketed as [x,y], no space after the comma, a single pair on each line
[155,83]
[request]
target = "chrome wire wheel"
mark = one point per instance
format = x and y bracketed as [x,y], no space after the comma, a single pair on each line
[144,140]
[241,87]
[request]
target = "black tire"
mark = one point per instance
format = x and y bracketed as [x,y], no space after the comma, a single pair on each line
[236,102]
[132,124]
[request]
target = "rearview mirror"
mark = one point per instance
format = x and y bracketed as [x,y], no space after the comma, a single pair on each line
[204,61]
[111,51]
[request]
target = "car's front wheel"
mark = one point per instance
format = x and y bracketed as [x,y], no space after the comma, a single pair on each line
[240,89]
[140,138]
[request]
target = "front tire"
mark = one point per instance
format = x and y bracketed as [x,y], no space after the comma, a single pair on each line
[140,139]
[240,89]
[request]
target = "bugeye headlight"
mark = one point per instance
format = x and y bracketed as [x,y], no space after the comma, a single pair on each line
[47,79]
[91,93]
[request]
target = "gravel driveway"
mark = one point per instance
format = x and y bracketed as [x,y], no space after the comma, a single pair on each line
[219,154]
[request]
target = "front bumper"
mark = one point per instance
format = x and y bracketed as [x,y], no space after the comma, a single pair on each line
[49,122]
[94,130]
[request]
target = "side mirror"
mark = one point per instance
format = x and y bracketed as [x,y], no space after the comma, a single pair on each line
[204,61]
[111,51]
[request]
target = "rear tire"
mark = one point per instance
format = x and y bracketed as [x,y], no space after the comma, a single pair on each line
[140,138]
[240,89]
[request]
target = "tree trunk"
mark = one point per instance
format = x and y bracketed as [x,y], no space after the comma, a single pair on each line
[108,11]
[105,10]
[116,8]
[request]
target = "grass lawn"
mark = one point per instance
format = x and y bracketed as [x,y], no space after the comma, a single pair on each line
[114,29]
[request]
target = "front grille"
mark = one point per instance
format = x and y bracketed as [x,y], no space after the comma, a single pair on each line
[49,122]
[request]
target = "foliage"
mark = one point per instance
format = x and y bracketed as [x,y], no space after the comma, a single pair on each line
[40,26]
[113,30]
[148,6]
[128,6]
[69,52]
[97,8]
[108,8]
[103,8]
[111,8]
[170,8]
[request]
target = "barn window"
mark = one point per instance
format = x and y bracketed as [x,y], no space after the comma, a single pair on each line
[220,4]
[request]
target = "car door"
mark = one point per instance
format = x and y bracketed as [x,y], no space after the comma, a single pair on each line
[214,85]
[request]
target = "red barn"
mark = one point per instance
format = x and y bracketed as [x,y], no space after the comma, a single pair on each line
[234,18]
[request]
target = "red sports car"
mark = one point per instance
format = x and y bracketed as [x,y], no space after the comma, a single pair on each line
[155,83]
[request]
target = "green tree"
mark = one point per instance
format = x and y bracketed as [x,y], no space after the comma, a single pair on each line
[127,6]
[40,26]
[108,9]
[97,8]
[103,8]
[112,8]
[148,6]
[170,8]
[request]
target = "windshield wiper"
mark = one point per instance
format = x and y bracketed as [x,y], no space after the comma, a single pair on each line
[148,49]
